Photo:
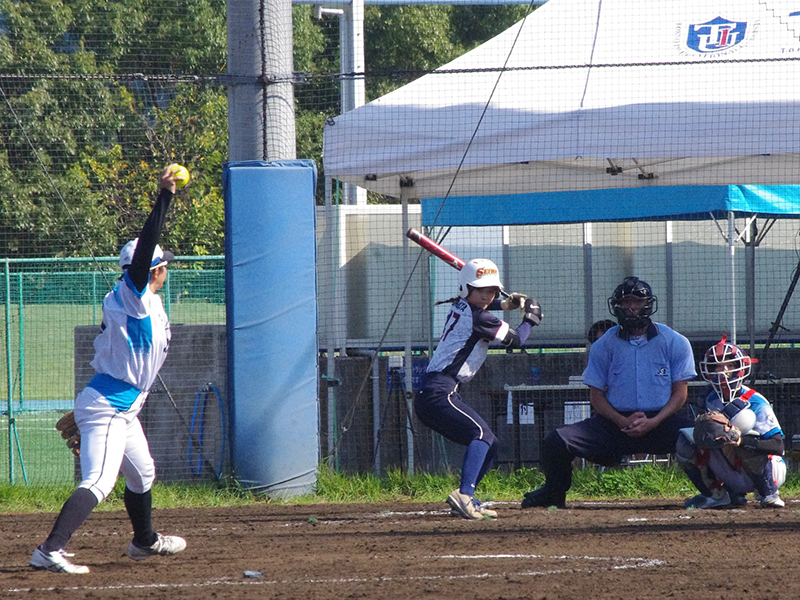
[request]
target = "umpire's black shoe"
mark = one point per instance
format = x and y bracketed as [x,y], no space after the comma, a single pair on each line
[543,497]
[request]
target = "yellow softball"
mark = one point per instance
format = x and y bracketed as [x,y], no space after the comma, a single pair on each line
[180,174]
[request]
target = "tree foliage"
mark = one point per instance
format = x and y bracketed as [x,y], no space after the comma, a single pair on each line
[98,95]
[80,152]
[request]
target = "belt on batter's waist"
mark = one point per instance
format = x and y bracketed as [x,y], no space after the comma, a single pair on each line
[120,394]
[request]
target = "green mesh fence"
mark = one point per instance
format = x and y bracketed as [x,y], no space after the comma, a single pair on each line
[45,301]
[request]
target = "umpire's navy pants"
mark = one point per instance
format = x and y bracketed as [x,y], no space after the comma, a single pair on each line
[600,441]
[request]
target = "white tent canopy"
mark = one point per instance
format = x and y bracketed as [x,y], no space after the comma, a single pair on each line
[596,94]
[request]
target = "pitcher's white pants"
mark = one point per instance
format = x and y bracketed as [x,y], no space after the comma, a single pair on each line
[112,443]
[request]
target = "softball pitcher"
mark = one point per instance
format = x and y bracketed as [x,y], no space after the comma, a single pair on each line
[129,351]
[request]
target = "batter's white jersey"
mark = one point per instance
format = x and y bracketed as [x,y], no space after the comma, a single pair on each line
[465,340]
[132,346]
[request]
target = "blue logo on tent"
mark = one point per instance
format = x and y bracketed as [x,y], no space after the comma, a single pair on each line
[715,35]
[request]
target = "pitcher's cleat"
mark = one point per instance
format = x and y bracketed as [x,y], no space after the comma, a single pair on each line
[165,545]
[56,561]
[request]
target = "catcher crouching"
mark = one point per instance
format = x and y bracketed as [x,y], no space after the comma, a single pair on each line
[736,446]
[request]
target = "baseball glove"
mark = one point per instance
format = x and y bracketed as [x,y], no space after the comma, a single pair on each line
[714,430]
[69,431]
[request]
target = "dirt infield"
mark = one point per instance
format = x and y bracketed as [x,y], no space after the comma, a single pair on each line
[628,549]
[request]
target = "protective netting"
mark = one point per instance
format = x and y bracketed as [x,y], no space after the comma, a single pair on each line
[588,142]
[97,96]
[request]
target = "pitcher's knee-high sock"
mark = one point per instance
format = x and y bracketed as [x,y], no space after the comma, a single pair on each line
[140,508]
[75,511]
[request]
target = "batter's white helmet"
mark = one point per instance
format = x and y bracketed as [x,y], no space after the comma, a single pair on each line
[478,273]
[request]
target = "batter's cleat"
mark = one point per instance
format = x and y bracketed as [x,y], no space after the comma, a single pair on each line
[56,561]
[544,498]
[772,501]
[486,512]
[717,499]
[465,506]
[163,546]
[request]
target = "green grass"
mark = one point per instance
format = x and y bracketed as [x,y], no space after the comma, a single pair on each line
[45,458]
[647,481]
[638,482]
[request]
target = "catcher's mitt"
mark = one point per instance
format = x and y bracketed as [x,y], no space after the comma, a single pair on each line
[69,431]
[714,430]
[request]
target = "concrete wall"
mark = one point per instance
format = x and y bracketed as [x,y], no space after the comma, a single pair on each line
[196,363]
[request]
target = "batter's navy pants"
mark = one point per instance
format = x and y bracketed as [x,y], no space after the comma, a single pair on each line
[440,407]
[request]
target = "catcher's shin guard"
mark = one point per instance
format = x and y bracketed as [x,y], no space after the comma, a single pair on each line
[685,455]
[771,478]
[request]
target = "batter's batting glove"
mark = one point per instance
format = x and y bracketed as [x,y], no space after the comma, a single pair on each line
[714,430]
[69,431]
[514,301]
[531,311]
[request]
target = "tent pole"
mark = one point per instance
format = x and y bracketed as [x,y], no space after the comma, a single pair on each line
[588,277]
[732,250]
[331,237]
[669,270]
[750,283]
[405,192]
[506,270]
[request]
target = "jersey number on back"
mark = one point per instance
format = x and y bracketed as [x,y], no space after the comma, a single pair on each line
[447,329]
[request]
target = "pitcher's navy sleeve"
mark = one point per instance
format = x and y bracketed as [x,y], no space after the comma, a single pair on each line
[139,271]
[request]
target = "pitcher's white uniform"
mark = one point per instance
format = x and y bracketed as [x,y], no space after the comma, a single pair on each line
[128,355]
[129,350]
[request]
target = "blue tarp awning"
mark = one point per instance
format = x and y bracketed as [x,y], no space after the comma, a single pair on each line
[691,202]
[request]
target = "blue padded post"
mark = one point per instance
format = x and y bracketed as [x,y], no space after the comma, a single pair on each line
[273,361]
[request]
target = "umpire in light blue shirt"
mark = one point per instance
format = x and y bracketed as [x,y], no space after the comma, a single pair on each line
[637,377]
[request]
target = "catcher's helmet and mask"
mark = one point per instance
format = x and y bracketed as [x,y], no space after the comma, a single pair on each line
[633,287]
[478,273]
[725,366]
